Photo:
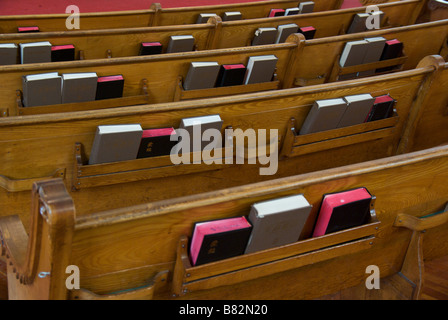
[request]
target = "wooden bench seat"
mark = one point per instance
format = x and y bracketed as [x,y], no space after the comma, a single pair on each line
[301,63]
[58,145]
[125,42]
[154,16]
[137,252]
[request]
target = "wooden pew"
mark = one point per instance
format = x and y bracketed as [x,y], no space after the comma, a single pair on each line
[154,16]
[301,63]
[319,58]
[99,44]
[58,145]
[141,252]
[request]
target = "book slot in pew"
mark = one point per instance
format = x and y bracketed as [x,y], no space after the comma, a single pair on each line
[154,16]
[325,53]
[35,152]
[215,34]
[156,236]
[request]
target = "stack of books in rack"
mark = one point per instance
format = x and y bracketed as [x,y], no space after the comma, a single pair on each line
[124,142]
[302,8]
[369,50]
[210,74]
[51,88]
[278,222]
[226,16]
[271,35]
[351,110]
[35,52]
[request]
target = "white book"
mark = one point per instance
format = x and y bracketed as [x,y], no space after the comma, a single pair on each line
[203,17]
[201,75]
[277,222]
[180,44]
[375,47]
[284,31]
[292,11]
[79,87]
[41,89]
[198,125]
[115,143]
[353,53]
[9,53]
[358,108]
[232,16]
[260,69]
[264,36]
[324,115]
[35,52]
[306,7]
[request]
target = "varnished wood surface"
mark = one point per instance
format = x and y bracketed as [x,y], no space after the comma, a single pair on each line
[435,286]
[153,16]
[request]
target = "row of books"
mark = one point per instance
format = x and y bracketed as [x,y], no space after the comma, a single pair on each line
[271,35]
[303,7]
[51,88]
[35,52]
[275,223]
[210,74]
[129,141]
[351,110]
[369,50]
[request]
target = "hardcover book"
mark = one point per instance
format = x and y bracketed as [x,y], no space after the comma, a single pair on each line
[260,69]
[308,32]
[277,222]
[196,126]
[156,142]
[115,143]
[375,47]
[27,29]
[232,16]
[276,13]
[201,75]
[284,31]
[180,44]
[382,108]
[231,75]
[9,53]
[219,239]
[264,36]
[79,87]
[35,52]
[343,210]
[324,115]
[358,23]
[392,49]
[63,53]
[353,54]
[203,17]
[41,89]
[358,108]
[150,48]
[292,11]
[109,87]
[306,7]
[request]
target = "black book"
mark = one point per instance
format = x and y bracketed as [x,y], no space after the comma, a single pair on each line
[149,48]
[156,142]
[27,29]
[219,239]
[343,210]
[63,53]
[231,75]
[308,32]
[382,108]
[109,87]
[392,49]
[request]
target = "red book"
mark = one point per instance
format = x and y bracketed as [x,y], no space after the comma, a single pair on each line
[219,239]
[382,108]
[343,210]
[27,29]
[149,48]
[109,87]
[156,142]
[63,53]
[231,75]
[276,12]
[308,32]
